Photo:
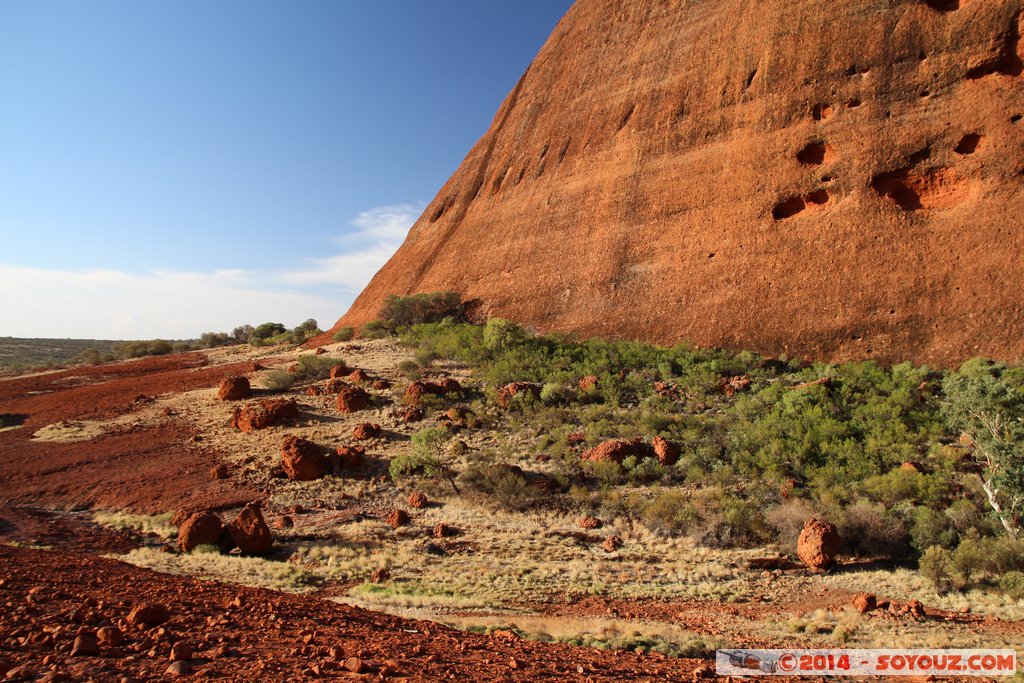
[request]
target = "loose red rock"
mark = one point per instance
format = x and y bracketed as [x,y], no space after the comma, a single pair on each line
[397,518]
[302,460]
[352,399]
[234,389]
[253,416]
[202,528]
[818,544]
[365,430]
[250,532]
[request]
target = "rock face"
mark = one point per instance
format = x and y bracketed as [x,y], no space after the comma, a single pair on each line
[818,544]
[302,460]
[854,167]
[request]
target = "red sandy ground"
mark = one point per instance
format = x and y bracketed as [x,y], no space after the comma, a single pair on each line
[240,634]
[48,596]
[150,471]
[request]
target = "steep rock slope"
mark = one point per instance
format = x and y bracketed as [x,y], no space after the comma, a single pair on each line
[835,179]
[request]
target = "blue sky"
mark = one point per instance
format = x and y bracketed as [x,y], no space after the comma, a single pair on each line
[168,168]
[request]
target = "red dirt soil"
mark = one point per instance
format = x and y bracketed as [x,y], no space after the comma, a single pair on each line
[245,634]
[148,471]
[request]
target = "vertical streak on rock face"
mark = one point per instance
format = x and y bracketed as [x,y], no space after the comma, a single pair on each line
[775,175]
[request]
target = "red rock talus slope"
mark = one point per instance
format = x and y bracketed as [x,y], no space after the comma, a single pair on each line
[831,179]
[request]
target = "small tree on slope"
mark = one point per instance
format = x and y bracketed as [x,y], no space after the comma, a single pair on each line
[983,405]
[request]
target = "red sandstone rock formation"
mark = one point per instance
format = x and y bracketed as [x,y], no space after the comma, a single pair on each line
[831,180]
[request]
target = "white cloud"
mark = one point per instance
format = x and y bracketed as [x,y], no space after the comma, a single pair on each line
[111,304]
[380,232]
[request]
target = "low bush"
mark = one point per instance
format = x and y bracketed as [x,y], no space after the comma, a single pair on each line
[344,334]
[279,380]
[138,349]
[410,369]
[313,367]
[429,458]
[936,565]
[406,311]
[506,486]
[374,329]
[1012,584]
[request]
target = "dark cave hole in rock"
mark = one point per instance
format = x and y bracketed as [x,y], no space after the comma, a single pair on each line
[788,208]
[894,185]
[818,197]
[813,154]
[969,144]
[943,5]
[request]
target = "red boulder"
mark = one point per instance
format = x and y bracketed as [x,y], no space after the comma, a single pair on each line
[202,528]
[616,450]
[818,544]
[234,389]
[249,532]
[352,399]
[302,460]
[261,415]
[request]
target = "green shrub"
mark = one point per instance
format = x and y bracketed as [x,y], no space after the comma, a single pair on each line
[936,565]
[505,485]
[425,357]
[931,528]
[968,558]
[344,334]
[209,340]
[670,513]
[410,369]
[279,380]
[374,329]
[503,335]
[428,459]
[265,331]
[313,367]
[406,311]
[305,331]
[138,349]
[1012,583]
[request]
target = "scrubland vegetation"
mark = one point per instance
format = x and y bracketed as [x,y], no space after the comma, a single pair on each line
[915,465]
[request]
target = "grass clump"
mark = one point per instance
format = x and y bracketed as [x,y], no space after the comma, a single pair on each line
[344,334]
[313,367]
[278,380]
[158,525]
